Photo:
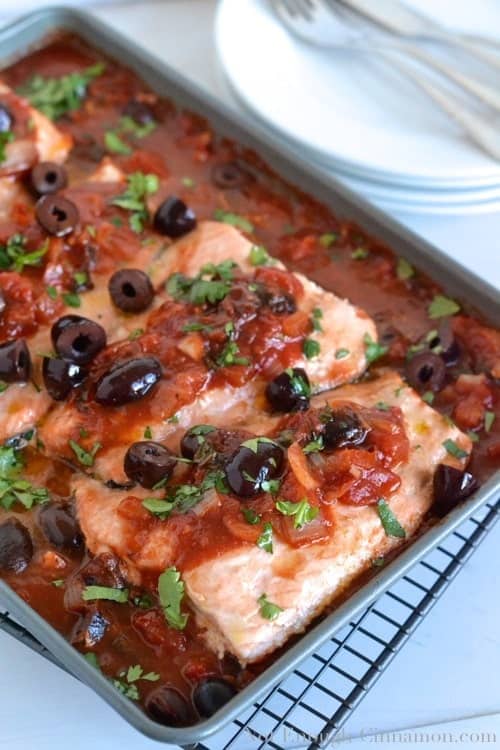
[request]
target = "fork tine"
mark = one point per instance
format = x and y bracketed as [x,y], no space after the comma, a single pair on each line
[295,8]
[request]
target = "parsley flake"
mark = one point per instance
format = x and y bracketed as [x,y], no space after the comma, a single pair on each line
[234,220]
[442,307]
[342,353]
[373,350]
[259,256]
[327,239]
[84,457]
[115,145]
[454,450]
[250,516]
[6,136]
[360,253]
[14,489]
[139,187]
[311,348]
[14,257]
[404,270]
[317,315]
[428,397]
[303,512]
[71,299]
[55,97]
[265,540]
[94,593]
[391,525]
[489,418]
[171,592]
[268,610]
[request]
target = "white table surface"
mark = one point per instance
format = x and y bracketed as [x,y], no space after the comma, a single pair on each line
[445,680]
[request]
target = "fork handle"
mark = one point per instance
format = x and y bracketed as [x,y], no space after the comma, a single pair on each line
[478,128]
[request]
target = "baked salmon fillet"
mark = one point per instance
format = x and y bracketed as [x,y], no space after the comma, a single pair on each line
[296,508]
[234,319]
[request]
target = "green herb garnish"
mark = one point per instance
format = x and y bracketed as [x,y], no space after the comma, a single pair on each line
[391,525]
[342,353]
[317,315]
[268,610]
[139,187]
[171,592]
[428,397]
[14,489]
[84,457]
[328,239]
[373,350]
[404,270]
[6,136]
[115,145]
[211,285]
[442,307]
[265,540]
[489,418]
[360,253]
[14,257]
[234,220]
[314,446]
[303,512]
[259,256]
[94,593]
[311,348]
[58,96]
[251,516]
[453,449]
[71,299]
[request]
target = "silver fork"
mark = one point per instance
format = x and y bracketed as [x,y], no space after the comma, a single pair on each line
[318,25]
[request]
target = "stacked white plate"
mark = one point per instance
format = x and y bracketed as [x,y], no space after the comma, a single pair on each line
[355,115]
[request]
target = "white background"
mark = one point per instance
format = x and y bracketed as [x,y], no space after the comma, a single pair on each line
[446,677]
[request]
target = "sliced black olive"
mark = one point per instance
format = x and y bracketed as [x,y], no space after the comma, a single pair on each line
[3,302]
[167,706]
[174,218]
[426,371]
[289,391]
[194,438]
[131,290]
[279,303]
[15,362]
[148,463]
[212,694]
[57,215]
[229,175]
[128,381]
[59,524]
[78,341]
[48,177]
[343,428]
[60,377]
[140,112]
[16,546]
[451,487]
[253,463]
[444,343]
[6,119]
[62,323]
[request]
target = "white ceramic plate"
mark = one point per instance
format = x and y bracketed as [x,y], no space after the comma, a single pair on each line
[352,112]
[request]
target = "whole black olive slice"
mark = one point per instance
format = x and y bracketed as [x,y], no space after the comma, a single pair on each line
[128,381]
[174,218]
[140,112]
[48,177]
[426,372]
[15,362]
[343,428]
[451,487]
[212,694]
[62,323]
[279,303]
[253,463]
[59,524]
[167,706]
[6,118]
[289,391]
[444,343]
[229,175]
[194,438]
[60,377]
[148,463]
[57,215]
[131,290]
[80,341]
[16,546]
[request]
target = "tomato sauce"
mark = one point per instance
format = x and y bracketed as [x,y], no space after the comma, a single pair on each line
[184,151]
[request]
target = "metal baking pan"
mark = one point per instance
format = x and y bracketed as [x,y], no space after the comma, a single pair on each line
[17,39]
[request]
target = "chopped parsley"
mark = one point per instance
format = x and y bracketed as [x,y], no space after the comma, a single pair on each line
[135,334]
[342,353]
[404,270]
[391,525]
[3,386]
[299,385]
[125,682]
[195,326]
[115,145]
[489,418]
[234,220]
[311,348]
[454,450]
[58,583]
[251,516]
[86,458]
[327,239]
[14,489]
[303,512]
[93,593]
[148,434]
[14,257]
[230,356]
[52,292]
[317,315]
[268,610]
[6,136]
[211,285]
[259,256]
[136,129]
[171,592]
[265,540]
[182,498]
[473,436]
[373,350]
[55,97]
[314,446]
[139,187]
[270,485]
[428,397]
[188,182]
[442,307]
[71,299]
[360,253]
[81,278]
[253,443]
[382,406]
[378,562]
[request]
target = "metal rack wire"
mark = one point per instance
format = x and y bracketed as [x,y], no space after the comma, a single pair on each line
[310,706]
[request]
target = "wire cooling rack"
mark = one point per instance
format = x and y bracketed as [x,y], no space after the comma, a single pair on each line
[309,707]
